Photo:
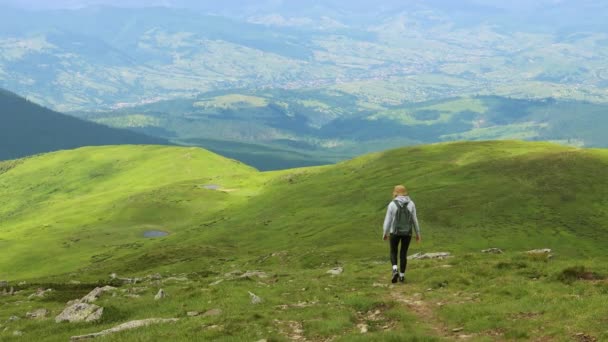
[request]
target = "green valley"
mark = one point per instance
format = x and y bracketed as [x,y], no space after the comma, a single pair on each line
[278,129]
[70,219]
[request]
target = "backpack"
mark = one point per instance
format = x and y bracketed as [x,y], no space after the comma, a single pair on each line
[403,220]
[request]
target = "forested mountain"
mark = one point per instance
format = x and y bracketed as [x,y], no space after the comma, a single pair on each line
[27,128]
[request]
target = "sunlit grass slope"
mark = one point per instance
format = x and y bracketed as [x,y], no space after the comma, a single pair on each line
[80,215]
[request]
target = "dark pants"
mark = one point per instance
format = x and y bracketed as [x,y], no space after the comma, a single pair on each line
[405,244]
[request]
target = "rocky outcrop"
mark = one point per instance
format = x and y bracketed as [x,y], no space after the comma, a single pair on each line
[420,256]
[125,326]
[492,251]
[96,293]
[80,312]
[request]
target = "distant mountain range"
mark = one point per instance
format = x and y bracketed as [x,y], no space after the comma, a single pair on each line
[27,128]
[389,53]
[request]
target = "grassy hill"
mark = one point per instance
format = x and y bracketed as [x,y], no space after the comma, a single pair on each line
[89,209]
[27,128]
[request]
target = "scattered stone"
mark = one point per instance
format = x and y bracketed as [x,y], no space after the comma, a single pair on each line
[80,312]
[255,299]
[459,329]
[251,274]
[336,271]
[540,251]
[13,318]
[160,295]
[40,293]
[492,251]
[96,293]
[582,337]
[21,283]
[233,274]
[37,314]
[17,333]
[155,276]
[212,312]
[126,281]
[420,256]
[125,326]
[362,328]
[75,282]
[192,313]
[217,282]
[11,291]
[130,295]
[175,279]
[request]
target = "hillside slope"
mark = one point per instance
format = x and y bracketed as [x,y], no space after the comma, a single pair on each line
[90,208]
[27,129]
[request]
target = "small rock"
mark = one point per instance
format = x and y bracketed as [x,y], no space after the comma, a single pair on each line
[492,251]
[217,282]
[160,295]
[459,329]
[380,285]
[96,293]
[251,274]
[193,313]
[362,328]
[255,299]
[37,314]
[155,276]
[75,282]
[233,274]
[336,271]
[21,283]
[540,251]
[40,293]
[17,333]
[175,279]
[125,326]
[13,318]
[11,291]
[213,312]
[80,312]
[420,256]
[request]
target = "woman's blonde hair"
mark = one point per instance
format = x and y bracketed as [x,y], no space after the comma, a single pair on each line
[400,190]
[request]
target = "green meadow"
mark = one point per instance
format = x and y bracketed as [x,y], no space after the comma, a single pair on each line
[70,219]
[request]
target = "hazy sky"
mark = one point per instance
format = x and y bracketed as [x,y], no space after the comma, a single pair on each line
[41,4]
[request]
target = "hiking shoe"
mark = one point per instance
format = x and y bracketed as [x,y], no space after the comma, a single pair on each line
[395,276]
[402,279]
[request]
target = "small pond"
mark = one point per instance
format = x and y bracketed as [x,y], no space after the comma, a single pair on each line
[154,234]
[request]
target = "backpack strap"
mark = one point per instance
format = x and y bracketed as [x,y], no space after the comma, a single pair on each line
[405,204]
